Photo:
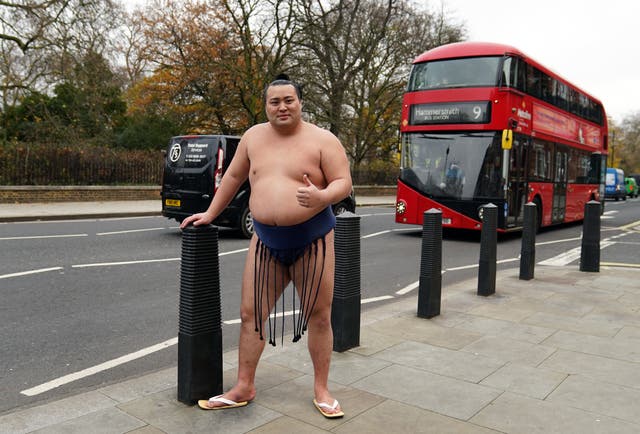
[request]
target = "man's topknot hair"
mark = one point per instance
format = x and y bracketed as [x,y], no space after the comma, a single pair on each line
[281,80]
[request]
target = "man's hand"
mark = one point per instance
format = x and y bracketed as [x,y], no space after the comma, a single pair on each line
[310,196]
[197,220]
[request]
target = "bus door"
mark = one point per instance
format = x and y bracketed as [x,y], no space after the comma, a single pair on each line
[517,186]
[560,185]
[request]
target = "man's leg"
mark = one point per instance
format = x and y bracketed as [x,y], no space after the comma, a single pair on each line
[250,345]
[320,334]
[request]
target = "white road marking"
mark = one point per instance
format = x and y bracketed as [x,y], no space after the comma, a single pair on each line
[26,273]
[233,251]
[146,261]
[39,237]
[375,234]
[570,255]
[130,231]
[373,299]
[98,368]
[109,264]
[544,243]
[410,287]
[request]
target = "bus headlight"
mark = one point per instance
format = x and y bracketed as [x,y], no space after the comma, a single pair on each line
[401,207]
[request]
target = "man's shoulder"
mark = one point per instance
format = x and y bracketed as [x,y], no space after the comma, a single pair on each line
[320,132]
[256,128]
[253,131]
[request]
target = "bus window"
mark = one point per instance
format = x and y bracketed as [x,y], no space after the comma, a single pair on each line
[469,72]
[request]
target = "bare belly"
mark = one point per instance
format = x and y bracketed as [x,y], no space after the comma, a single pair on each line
[275,203]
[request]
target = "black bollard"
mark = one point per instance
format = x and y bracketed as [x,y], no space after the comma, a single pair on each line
[345,311]
[200,330]
[590,249]
[528,248]
[430,289]
[488,250]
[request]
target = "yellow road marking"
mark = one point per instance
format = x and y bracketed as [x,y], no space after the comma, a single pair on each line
[620,264]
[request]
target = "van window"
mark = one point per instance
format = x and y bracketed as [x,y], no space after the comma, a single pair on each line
[195,152]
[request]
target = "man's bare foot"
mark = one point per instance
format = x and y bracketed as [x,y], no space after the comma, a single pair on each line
[327,405]
[235,397]
[329,410]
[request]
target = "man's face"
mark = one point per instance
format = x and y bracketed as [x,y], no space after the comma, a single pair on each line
[283,107]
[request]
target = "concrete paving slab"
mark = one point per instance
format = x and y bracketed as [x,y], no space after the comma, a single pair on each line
[151,407]
[395,417]
[581,325]
[456,364]
[287,424]
[507,329]
[135,388]
[623,349]
[525,380]
[599,397]
[146,430]
[595,367]
[510,350]
[444,395]
[559,304]
[620,315]
[372,342]
[517,414]
[424,330]
[31,419]
[345,368]
[295,399]
[232,421]
[164,412]
[108,421]
[464,301]
[628,332]
[503,311]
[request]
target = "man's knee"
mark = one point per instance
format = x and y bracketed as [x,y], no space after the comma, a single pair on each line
[247,314]
[320,318]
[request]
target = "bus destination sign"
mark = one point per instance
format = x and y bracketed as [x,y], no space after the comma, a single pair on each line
[476,112]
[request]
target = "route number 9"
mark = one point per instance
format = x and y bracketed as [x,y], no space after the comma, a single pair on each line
[477,111]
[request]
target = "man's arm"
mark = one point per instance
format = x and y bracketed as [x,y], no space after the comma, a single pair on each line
[235,175]
[335,168]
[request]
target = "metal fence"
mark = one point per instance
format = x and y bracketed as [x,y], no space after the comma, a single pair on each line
[23,164]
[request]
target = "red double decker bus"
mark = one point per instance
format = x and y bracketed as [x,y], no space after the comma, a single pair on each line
[484,123]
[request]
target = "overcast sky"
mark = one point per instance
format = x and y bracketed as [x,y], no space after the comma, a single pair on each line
[591,43]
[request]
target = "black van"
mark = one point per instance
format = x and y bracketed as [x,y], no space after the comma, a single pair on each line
[193,169]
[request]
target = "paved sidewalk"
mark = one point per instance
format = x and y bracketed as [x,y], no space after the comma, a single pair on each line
[78,210]
[556,354]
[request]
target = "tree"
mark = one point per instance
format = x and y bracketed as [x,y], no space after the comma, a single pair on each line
[191,50]
[627,144]
[355,56]
[265,30]
[43,41]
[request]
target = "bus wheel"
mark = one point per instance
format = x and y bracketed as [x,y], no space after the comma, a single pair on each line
[538,214]
[245,222]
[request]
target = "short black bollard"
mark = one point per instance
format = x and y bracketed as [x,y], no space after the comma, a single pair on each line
[590,249]
[200,330]
[528,248]
[488,250]
[430,289]
[345,312]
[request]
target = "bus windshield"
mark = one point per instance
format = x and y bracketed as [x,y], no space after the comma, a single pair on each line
[466,72]
[453,165]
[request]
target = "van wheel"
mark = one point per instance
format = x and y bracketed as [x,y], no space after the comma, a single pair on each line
[245,222]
